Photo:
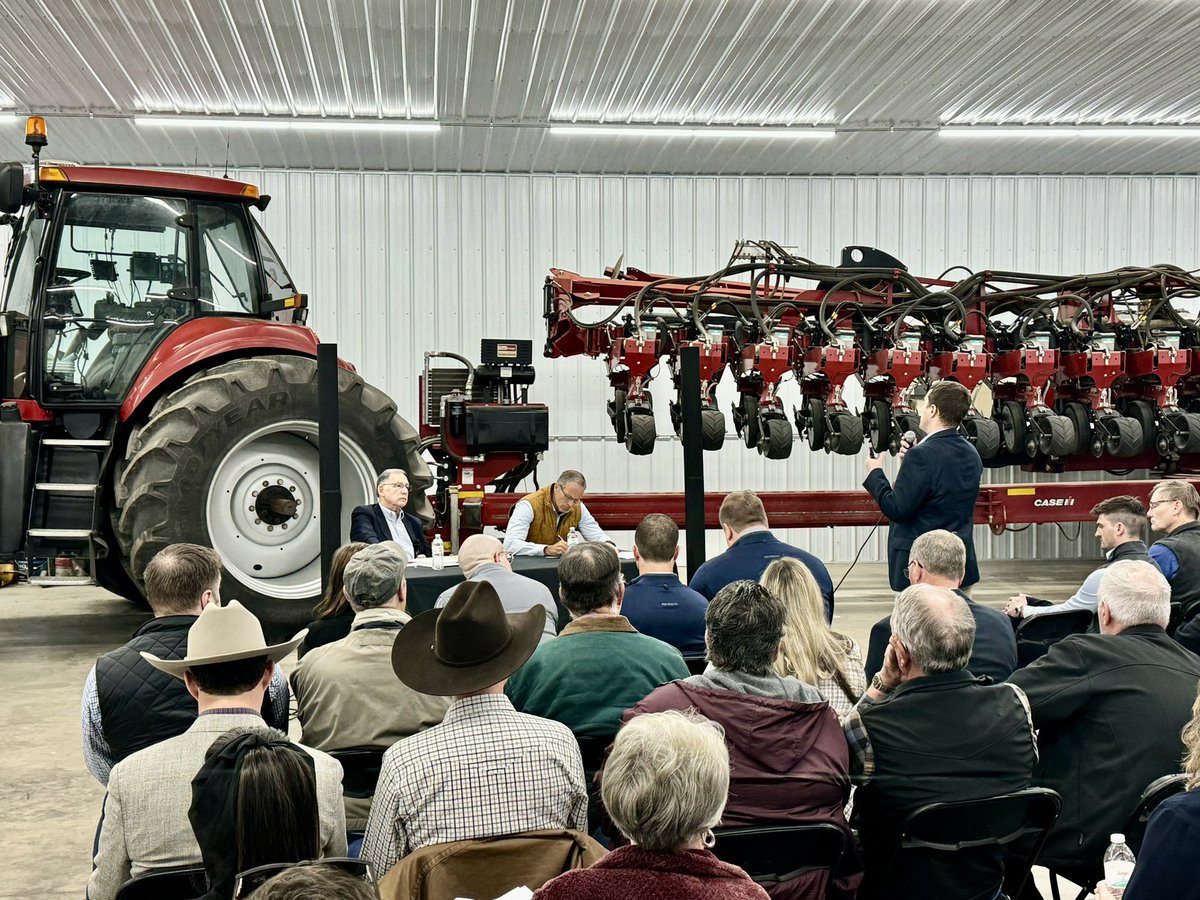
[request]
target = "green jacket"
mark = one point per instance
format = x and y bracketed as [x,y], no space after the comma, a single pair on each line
[598,667]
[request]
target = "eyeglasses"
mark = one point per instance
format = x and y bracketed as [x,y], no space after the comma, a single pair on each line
[571,501]
[914,562]
[399,485]
[252,879]
[1154,503]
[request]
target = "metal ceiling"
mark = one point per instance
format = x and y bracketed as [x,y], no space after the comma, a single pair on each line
[496,72]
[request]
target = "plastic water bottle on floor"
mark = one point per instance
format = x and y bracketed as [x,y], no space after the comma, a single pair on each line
[438,552]
[574,538]
[1118,864]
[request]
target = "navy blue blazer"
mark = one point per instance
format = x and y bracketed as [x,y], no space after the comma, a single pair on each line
[937,487]
[749,557]
[994,653]
[368,524]
[659,605]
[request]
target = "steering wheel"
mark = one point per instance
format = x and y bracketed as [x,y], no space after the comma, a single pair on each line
[69,276]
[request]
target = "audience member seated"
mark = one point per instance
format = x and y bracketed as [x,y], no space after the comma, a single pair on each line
[482,558]
[254,803]
[752,548]
[316,882]
[599,666]
[540,523]
[788,755]
[812,652]
[226,670]
[1167,864]
[127,704]
[333,614]
[665,788]
[1174,509]
[1121,529]
[928,731]
[386,520]
[656,602]
[486,769]
[939,558]
[346,692]
[1109,708]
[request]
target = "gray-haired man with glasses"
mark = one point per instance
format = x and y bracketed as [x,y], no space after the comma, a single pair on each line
[386,520]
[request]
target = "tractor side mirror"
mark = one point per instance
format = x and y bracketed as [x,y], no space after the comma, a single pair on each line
[12,187]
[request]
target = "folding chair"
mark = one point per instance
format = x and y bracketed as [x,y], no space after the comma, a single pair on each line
[1038,634]
[166,884]
[696,664]
[360,770]
[782,853]
[990,822]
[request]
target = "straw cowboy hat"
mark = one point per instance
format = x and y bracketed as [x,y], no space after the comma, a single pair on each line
[224,634]
[468,645]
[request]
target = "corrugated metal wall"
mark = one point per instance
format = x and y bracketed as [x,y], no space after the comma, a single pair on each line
[400,264]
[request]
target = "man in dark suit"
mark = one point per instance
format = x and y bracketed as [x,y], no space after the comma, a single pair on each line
[937,486]
[386,520]
[656,602]
[939,558]
[1109,708]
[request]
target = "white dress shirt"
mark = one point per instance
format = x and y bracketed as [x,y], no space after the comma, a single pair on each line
[521,518]
[399,533]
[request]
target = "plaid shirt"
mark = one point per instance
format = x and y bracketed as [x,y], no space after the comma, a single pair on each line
[486,770]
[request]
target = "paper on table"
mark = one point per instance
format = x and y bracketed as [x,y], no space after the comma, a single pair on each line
[426,563]
[625,554]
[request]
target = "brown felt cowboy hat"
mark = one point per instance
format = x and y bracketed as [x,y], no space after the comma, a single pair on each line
[224,634]
[466,646]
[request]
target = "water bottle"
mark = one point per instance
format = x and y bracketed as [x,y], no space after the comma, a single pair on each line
[438,552]
[1118,864]
[574,538]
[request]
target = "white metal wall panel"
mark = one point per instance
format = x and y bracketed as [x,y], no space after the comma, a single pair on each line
[400,264]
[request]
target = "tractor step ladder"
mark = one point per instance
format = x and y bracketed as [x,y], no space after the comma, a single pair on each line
[66,499]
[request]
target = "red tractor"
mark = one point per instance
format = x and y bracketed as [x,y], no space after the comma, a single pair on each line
[159,385]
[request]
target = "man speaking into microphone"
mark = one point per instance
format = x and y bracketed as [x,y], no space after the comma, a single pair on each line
[937,486]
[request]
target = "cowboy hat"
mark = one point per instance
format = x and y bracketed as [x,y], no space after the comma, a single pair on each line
[466,646]
[224,634]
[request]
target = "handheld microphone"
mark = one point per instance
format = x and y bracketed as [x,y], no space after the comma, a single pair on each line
[911,437]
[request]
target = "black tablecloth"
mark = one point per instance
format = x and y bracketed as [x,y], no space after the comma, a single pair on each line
[426,585]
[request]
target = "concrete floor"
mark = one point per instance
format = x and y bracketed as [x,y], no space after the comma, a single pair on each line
[50,637]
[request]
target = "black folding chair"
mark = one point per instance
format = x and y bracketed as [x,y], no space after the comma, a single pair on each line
[166,884]
[782,853]
[998,822]
[1175,618]
[696,664]
[360,770]
[1155,793]
[1038,634]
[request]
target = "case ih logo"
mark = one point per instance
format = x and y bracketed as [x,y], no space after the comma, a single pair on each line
[1054,501]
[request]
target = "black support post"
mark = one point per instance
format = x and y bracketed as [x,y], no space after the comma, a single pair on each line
[693,457]
[328,440]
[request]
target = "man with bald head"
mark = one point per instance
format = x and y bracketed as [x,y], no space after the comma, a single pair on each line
[928,731]
[482,558]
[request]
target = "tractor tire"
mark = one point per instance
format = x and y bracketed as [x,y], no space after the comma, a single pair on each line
[984,434]
[712,424]
[616,413]
[845,433]
[239,436]
[1122,436]
[1056,436]
[641,434]
[815,428]
[878,425]
[777,438]
[1012,426]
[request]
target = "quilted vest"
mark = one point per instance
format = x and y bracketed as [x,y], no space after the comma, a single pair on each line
[139,705]
[1184,542]
[546,527]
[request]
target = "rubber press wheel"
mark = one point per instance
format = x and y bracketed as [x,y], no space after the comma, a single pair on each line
[751,433]
[1123,436]
[984,434]
[1056,436]
[777,438]
[816,428]
[845,433]
[616,413]
[879,425]
[1012,426]
[712,424]
[640,434]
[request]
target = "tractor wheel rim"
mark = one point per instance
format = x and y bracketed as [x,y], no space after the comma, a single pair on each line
[263,507]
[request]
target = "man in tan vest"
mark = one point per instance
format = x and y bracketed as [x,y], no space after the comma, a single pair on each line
[540,522]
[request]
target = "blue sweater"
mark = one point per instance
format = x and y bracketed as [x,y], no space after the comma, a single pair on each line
[749,557]
[1168,866]
[658,605]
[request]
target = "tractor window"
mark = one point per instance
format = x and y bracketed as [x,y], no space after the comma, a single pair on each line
[121,281]
[229,281]
[279,283]
[24,265]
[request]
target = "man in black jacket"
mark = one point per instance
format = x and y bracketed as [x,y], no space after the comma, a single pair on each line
[1174,509]
[937,486]
[127,703]
[386,520]
[1109,708]
[939,558]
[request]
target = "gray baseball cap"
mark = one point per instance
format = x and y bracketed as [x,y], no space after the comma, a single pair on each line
[374,574]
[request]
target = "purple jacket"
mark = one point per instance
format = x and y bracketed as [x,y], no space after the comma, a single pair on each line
[654,875]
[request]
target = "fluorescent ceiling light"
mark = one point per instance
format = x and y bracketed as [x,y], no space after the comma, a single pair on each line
[281,123]
[669,131]
[1064,131]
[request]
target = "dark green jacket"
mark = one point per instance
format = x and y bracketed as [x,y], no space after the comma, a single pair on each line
[598,667]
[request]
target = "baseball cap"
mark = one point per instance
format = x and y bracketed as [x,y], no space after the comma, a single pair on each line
[374,574]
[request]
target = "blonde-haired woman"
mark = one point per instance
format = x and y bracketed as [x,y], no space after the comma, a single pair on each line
[810,651]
